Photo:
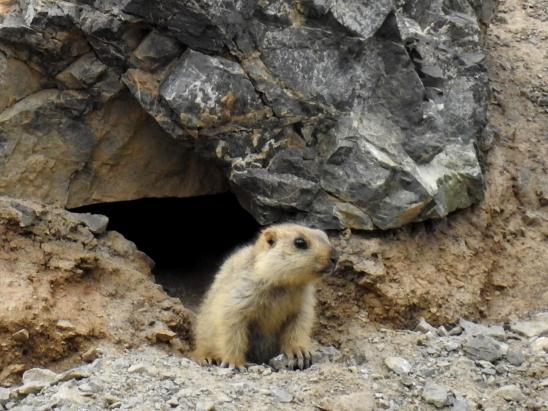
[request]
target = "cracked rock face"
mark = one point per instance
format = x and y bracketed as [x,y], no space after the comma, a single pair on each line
[360,114]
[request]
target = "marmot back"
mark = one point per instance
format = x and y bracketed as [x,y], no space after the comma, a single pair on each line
[262,300]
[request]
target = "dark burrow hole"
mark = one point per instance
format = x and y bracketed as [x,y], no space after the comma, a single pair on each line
[188,238]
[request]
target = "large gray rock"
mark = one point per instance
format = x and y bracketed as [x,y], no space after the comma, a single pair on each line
[361,114]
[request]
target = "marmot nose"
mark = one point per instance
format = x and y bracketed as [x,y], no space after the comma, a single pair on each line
[334,256]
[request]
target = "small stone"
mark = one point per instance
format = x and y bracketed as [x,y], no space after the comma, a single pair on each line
[536,326]
[398,365]
[460,404]
[91,355]
[39,376]
[172,402]
[458,330]
[452,345]
[4,395]
[473,329]
[65,325]
[281,395]
[442,332]
[161,333]
[326,354]
[510,393]
[485,348]
[21,335]
[436,395]
[88,388]
[423,326]
[515,357]
[164,335]
[83,73]
[96,223]
[279,362]
[67,395]
[74,374]
[205,405]
[539,345]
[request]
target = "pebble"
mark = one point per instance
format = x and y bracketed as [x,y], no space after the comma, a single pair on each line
[539,345]
[39,376]
[397,364]
[536,326]
[281,395]
[436,395]
[473,329]
[460,404]
[21,335]
[65,325]
[515,357]
[423,326]
[485,348]
[509,393]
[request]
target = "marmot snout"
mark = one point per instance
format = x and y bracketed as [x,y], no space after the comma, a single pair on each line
[262,300]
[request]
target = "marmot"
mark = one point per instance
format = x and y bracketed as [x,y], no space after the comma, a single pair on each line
[261,302]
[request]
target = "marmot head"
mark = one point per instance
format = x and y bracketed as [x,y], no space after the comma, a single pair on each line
[291,254]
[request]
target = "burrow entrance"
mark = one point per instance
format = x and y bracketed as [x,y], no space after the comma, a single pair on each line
[188,238]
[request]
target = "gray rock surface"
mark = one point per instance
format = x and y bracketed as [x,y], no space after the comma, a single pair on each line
[360,114]
[484,348]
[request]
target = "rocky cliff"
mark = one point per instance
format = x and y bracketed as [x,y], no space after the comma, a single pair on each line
[339,114]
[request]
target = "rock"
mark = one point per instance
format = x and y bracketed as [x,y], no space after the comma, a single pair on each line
[74,374]
[161,333]
[385,139]
[34,380]
[279,362]
[485,348]
[424,327]
[91,355]
[4,395]
[326,354]
[21,335]
[39,376]
[473,329]
[397,364]
[95,222]
[436,395]
[510,393]
[460,404]
[515,357]
[140,151]
[536,326]
[154,51]
[539,345]
[65,325]
[281,395]
[83,73]
[67,395]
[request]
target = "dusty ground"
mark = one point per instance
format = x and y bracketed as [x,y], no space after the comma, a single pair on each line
[65,284]
[487,263]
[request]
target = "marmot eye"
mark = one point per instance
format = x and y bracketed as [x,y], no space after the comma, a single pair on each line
[300,243]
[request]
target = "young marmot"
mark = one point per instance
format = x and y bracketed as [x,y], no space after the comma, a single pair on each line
[262,300]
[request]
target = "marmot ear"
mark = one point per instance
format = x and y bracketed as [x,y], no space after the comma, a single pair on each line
[270,236]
